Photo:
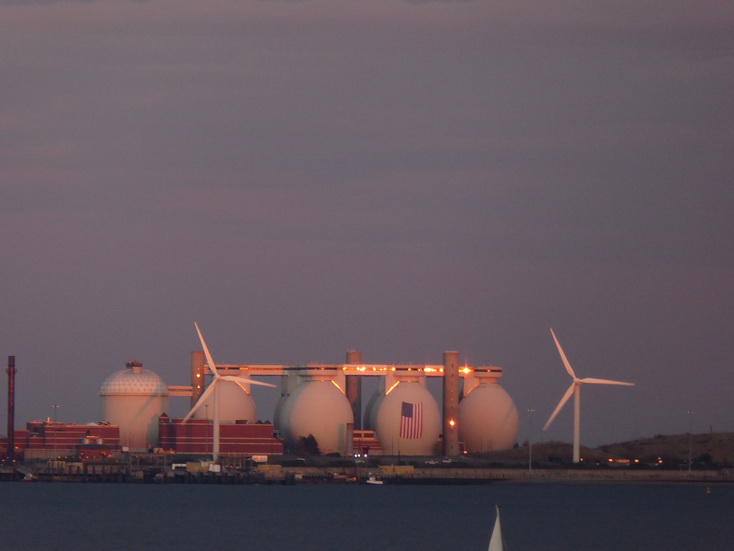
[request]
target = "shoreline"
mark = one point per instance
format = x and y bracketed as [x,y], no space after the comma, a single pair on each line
[350,476]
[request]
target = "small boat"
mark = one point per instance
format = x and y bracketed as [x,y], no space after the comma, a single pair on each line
[496,543]
[372,479]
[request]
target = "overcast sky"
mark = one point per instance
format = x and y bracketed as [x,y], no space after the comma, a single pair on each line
[400,178]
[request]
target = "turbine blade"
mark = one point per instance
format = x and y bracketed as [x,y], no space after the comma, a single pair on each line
[209,360]
[237,381]
[563,356]
[560,405]
[244,380]
[604,382]
[202,398]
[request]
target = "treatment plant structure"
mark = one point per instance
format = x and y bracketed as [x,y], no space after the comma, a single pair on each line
[321,403]
[319,411]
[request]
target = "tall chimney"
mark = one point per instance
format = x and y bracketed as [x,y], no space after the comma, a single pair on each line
[10,453]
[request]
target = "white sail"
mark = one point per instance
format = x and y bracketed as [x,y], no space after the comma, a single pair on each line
[496,543]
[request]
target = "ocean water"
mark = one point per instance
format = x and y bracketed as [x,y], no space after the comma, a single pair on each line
[538,517]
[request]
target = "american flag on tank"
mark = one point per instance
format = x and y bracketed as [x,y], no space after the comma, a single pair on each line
[411,420]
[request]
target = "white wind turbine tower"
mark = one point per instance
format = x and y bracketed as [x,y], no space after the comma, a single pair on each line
[241,381]
[575,389]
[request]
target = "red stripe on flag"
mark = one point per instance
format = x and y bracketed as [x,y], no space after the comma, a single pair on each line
[411,420]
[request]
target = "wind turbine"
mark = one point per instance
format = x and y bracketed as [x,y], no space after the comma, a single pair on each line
[212,388]
[575,389]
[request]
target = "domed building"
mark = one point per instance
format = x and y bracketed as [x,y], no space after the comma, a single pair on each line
[133,399]
[316,407]
[408,421]
[488,418]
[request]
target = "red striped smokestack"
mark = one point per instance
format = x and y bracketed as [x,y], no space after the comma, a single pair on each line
[10,454]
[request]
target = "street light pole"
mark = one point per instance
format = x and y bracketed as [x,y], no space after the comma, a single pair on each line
[56,407]
[206,414]
[530,442]
[690,414]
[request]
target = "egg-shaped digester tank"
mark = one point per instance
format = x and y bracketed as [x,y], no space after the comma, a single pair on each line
[235,404]
[488,418]
[408,421]
[133,399]
[316,407]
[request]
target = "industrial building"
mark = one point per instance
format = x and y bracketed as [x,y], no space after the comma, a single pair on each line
[322,402]
[50,439]
[319,404]
[239,438]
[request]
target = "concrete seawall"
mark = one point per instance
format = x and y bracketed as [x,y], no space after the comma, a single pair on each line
[467,475]
[401,475]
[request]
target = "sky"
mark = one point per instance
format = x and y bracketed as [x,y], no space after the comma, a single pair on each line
[302,178]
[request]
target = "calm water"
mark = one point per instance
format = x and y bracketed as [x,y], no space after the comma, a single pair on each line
[541,517]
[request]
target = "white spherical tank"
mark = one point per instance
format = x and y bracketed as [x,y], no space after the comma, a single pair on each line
[408,421]
[133,399]
[317,407]
[234,404]
[488,418]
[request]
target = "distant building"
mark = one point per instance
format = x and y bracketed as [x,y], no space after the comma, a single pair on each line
[45,439]
[365,442]
[195,436]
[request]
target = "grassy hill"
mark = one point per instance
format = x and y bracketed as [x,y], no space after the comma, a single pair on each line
[709,449]
[714,447]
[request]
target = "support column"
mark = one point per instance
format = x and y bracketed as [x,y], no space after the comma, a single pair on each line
[354,388]
[450,403]
[198,382]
